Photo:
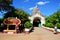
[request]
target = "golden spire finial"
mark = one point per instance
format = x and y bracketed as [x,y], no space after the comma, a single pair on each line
[16,17]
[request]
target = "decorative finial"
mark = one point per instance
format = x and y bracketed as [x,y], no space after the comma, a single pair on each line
[16,17]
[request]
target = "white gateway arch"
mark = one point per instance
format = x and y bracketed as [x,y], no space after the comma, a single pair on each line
[36,15]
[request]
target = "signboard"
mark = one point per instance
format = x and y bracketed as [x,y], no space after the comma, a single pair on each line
[12,21]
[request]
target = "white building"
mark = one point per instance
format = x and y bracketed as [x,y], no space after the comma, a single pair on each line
[36,17]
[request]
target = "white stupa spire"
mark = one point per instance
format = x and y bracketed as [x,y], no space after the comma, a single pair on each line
[35,10]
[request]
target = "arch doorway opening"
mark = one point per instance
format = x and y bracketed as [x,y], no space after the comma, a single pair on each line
[36,22]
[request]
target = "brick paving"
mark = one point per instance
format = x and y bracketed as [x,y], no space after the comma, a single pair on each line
[37,34]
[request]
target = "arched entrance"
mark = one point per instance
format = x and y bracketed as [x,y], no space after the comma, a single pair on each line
[36,21]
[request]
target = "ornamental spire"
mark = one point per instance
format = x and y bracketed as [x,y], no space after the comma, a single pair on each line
[35,10]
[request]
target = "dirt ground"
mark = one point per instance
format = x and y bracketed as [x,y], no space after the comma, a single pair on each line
[37,34]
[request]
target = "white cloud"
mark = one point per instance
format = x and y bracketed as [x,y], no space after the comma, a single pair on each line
[31,8]
[42,3]
[26,0]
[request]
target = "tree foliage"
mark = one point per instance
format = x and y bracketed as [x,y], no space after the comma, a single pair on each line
[5,5]
[27,24]
[1,21]
[21,14]
[54,18]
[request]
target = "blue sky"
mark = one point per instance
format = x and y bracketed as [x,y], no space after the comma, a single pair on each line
[46,7]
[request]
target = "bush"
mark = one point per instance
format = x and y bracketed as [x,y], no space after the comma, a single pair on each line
[27,24]
[58,25]
[49,25]
[44,24]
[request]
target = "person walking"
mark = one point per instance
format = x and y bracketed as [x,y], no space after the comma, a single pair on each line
[17,28]
[55,30]
[39,25]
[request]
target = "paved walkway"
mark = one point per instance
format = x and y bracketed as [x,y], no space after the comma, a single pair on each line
[38,34]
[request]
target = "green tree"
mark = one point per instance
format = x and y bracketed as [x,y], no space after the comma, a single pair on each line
[27,24]
[21,14]
[54,18]
[1,20]
[5,5]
